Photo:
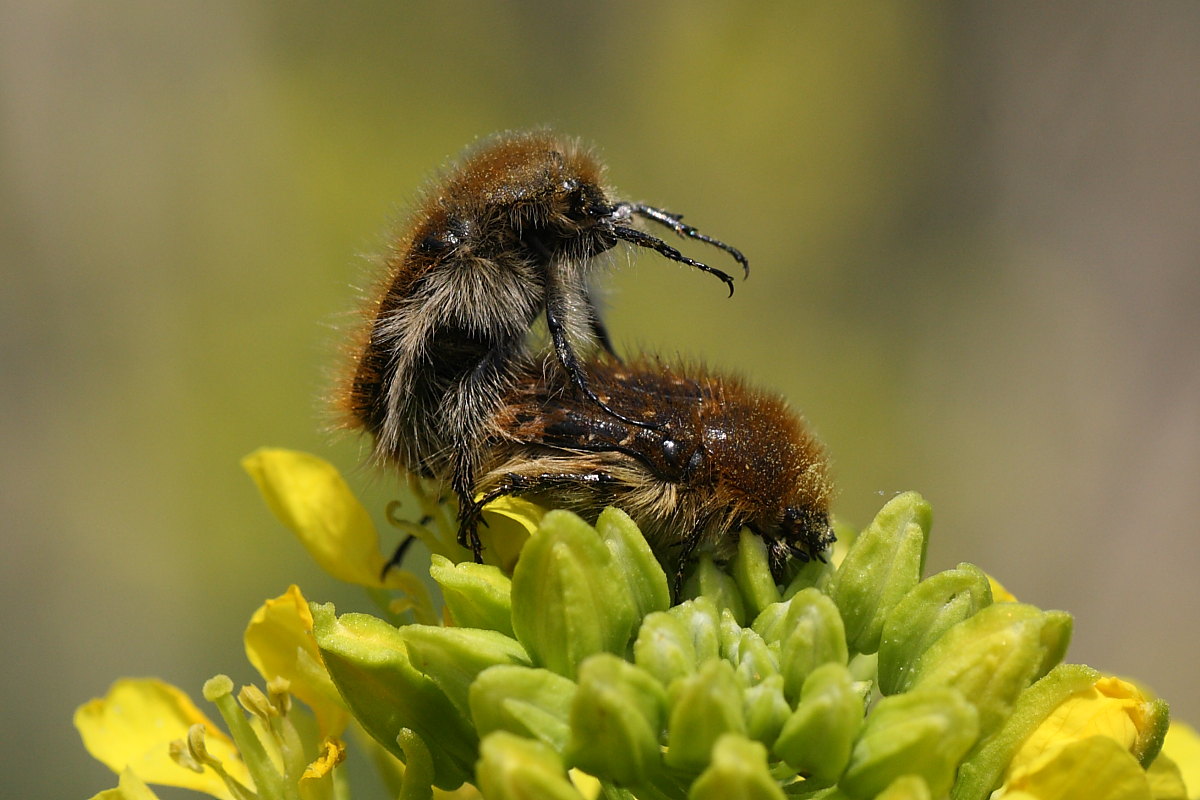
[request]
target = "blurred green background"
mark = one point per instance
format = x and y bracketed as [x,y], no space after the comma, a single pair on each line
[976,256]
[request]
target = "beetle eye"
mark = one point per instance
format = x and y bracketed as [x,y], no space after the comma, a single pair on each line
[445,237]
[670,451]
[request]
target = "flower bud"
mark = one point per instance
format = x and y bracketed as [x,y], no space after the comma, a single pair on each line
[751,570]
[664,647]
[477,595]
[635,561]
[369,663]
[812,635]
[709,581]
[513,768]
[883,564]
[923,615]
[923,732]
[992,656]
[738,771]
[702,620]
[534,703]
[766,710]
[817,737]
[704,705]
[747,651]
[769,624]
[616,718]
[569,600]
[453,657]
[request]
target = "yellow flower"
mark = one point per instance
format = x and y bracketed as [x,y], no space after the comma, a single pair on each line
[132,727]
[147,730]
[1089,746]
[280,644]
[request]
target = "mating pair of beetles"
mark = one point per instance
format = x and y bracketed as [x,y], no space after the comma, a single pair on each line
[446,382]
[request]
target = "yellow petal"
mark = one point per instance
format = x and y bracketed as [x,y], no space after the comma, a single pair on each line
[509,522]
[1096,768]
[1166,782]
[999,593]
[1182,746]
[130,787]
[280,644]
[587,785]
[131,728]
[527,514]
[308,495]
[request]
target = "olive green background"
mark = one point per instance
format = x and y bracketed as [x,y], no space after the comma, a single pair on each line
[976,268]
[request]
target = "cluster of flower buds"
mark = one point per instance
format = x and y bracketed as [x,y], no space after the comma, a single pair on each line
[859,680]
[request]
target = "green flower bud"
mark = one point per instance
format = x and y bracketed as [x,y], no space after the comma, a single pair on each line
[766,710]
[923,615]
[992,656]
[738,771]
[453,657]
[664,647]
[751,570]
[812,635]
[747,651]
[882,565]
[817,738]
[616,720]
[477,595]
[635,561]
[709,581]
[534,703]
[980,773]
[513,768]
[368,661]
[769,624]
[704,705]
[923,732]
[702,620]
[569,600]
